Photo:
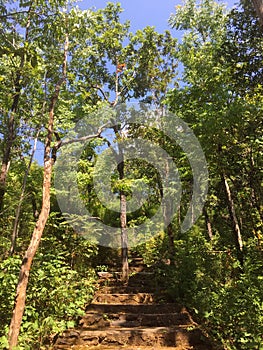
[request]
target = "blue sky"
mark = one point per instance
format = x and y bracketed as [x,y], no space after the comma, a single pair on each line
[144,12]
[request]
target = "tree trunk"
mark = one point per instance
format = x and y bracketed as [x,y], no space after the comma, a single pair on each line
[258,5]
[18,209]
[168,212]
[28,258]
[232,212]
[208,224]
[170,234]
[124,239]
[123,222]
[40,225]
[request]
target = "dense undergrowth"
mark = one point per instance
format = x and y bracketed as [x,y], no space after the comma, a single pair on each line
[62,282]
[224,297]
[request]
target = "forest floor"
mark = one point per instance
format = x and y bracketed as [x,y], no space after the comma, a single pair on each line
[133,317]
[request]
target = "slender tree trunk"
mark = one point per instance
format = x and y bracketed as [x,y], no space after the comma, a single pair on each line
[123,202]
[124,239]
[170,234]
[168,212]
[208,224]
[40,225]
[22,195]
[236,228]
[123,222]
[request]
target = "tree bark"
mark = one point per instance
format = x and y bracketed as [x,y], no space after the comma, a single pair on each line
[258,5]
[208,224]
[168,212]
[123,222]
[20,298]
[124,239]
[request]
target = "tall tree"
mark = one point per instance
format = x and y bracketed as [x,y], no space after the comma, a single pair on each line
[96,42]
[40,225]
[216,101]
[115,71]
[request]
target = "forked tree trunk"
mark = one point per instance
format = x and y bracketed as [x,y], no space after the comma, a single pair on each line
[40,225]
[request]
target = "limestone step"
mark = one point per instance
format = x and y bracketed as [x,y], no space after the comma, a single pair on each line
[126,289]
[127,317]
[116,273]
[135,336]
[101,320]
[133,308]
[141,279]
[137,268]
[136,260]
[128,347]
[127,298]
[144,274]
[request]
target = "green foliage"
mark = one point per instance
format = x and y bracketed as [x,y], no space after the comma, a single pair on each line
[56,297]
[8,279]
[220,98]
[207,281]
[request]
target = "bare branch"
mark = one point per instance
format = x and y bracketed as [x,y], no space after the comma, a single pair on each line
[85,138]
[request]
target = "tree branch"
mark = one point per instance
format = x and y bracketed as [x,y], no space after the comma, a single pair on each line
[101,91]
[84,138]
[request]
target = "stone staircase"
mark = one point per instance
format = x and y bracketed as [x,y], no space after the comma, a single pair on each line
[130,317]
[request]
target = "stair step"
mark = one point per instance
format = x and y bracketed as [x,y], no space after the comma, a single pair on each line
[96,320]
[127,298]
[136,259]
[118,273]
[178,338]
[126,289]
[133,308]
[164,336]
[127,317]
[137,268]
[125,347]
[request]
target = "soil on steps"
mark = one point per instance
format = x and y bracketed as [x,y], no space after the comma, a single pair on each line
[131,318]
